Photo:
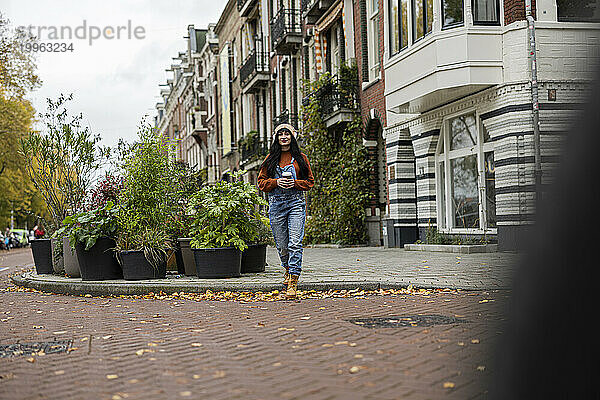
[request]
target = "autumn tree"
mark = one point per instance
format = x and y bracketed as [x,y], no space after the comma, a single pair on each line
[17,77]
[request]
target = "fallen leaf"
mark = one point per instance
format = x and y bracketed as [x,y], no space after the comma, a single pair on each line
[112,376]
[474,341]
[481,368]
[187,393]
[448,385]
[59,372]
[219,374]
[31,359]
[354,369]
[196,344]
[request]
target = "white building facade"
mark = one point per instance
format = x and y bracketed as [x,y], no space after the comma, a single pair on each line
[460,134]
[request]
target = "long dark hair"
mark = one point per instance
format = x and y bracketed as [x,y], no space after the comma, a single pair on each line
[272,160]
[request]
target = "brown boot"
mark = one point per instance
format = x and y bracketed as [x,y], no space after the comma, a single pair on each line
[286,277]
[292,288]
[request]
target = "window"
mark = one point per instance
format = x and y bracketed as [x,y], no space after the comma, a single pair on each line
[335,50]
[466,195]
[578,11]
[452,13]
[422,18]
[373,38]
[486,12]
[398,25]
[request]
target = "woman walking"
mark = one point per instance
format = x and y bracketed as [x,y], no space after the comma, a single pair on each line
[285,175]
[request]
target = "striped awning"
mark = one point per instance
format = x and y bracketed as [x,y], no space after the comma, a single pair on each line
[334,12]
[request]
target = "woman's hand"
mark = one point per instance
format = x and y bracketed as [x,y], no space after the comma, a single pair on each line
[285,183]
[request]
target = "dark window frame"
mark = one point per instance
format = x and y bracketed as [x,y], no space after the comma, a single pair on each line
[400,49]
[456,24]
[425,17]
[486,23]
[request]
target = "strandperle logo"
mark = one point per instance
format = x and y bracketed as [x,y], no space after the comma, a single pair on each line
[87,32]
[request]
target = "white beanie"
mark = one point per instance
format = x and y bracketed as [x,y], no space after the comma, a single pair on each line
[285,126]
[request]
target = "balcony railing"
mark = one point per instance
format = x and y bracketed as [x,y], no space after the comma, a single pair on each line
[251,148]
[337,95]
[286,29]
[244,6]
[286,118]
[256,63]
[304,4]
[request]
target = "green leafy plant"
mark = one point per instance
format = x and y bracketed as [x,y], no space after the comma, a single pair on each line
[87,227]
[340,165]
[189,181]
[62,160]
[148,203]
[225,215]
[433,236]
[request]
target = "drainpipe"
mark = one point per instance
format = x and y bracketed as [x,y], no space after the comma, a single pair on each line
[534,100]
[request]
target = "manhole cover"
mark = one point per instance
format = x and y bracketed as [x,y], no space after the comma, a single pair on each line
[405,320]
[27,349]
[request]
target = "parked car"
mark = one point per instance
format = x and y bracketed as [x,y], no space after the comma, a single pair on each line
[21,237]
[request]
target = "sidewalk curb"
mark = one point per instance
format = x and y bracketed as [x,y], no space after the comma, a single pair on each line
[119,288]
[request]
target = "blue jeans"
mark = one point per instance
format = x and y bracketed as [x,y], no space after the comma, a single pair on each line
[287,214]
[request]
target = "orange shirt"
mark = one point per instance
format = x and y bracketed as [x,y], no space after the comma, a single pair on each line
[267,184]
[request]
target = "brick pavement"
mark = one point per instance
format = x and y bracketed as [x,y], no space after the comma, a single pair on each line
[325,268]
[127,348]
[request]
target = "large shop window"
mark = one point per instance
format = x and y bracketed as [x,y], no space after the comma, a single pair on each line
[465,175]
[578,11]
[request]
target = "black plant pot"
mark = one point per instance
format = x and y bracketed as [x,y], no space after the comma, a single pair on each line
[224,262]
[42,255]
[136,267]
[254,258]
[99,263]
[179,260]
[187,256]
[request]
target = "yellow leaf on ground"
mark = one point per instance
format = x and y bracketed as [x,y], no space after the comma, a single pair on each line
[112,376]
[448,385]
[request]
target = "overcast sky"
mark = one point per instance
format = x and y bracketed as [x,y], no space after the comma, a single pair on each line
[114,82]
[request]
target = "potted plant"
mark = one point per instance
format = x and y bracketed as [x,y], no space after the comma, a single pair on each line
[61,162]
[92,234]
[147,207]
[41,249]
[254,258]
[223,217]
[189,180]
[106,191]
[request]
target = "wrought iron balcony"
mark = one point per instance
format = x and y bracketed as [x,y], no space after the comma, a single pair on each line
[312,10]
[252,148]
[286,118]
[245,6]
[254,73]
[286,31]
[338,100]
